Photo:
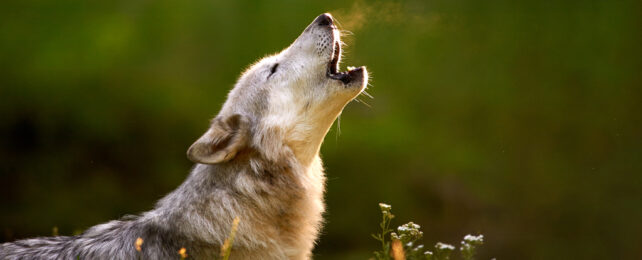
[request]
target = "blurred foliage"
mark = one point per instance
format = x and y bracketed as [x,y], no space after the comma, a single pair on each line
[516,119]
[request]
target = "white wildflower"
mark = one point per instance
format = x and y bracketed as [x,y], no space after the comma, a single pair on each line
[443,246]
[474,239]
[385,207]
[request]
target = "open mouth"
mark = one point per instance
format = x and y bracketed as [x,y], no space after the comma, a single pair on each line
[333,67]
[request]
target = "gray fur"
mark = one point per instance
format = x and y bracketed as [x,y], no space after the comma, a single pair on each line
[177,221]
[259,161]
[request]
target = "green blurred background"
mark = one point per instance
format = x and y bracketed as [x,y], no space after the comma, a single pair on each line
[516,119]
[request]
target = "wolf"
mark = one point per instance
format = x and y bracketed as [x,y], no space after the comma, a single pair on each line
[258,161]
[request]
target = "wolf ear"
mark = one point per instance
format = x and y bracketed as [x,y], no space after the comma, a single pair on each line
[226,137]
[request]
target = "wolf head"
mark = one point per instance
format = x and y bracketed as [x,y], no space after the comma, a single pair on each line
[288,100]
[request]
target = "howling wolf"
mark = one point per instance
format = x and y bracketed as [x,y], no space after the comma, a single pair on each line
[258,160]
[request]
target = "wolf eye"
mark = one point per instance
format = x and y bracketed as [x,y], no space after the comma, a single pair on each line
[273,69]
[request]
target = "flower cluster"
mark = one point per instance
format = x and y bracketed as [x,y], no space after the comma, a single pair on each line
[469,244]
[474,239]
[408,232]
[401,243]
[385,210]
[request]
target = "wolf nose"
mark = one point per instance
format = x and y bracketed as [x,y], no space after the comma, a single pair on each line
[324,20]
